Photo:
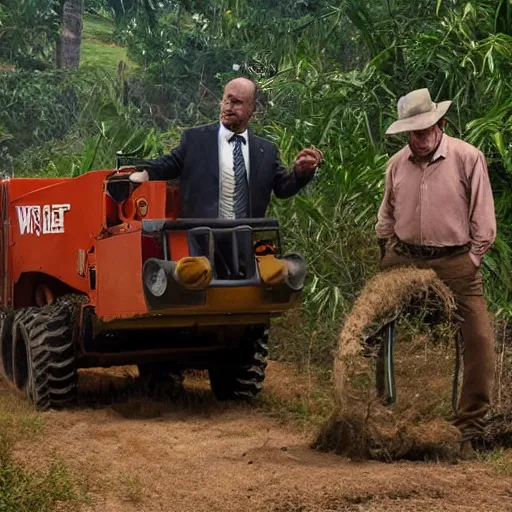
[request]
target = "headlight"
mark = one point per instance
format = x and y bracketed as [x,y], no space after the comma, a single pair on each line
[155,278]
[297,270]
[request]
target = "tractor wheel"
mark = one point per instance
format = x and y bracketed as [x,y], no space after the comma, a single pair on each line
[242,378]
[6,316]
[43,354]
[165,377]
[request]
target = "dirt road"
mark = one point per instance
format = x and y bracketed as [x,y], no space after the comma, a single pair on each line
[198,455]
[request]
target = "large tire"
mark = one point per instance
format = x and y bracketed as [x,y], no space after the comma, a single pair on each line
[44,362]
[243,375]
[6,317]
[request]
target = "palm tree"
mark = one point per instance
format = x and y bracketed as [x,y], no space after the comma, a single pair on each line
[68,46]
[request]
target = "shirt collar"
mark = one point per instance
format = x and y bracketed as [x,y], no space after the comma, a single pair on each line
[441,151]
[224,133]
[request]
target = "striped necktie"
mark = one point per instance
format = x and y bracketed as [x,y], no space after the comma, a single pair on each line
[241,194]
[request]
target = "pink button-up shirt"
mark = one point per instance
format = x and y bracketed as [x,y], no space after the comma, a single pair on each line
[447,201]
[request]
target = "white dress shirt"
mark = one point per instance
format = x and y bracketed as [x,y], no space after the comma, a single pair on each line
[227,172]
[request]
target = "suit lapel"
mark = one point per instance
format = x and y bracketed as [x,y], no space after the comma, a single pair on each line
[211,151]
[255,158]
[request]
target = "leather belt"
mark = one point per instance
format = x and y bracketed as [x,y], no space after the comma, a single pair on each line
[428,251]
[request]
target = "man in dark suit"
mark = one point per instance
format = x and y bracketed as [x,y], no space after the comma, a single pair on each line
[224,170]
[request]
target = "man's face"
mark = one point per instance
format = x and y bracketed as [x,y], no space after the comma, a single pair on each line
[237,105]
[423,142]
[421,137]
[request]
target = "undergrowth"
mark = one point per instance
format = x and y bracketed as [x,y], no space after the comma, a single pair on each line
[307,410]
[500,460]
[42,491]
[38,488]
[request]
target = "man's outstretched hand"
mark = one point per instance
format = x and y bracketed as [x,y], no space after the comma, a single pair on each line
[308,160]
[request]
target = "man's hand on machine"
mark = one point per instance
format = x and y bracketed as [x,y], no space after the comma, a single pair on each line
[139,176]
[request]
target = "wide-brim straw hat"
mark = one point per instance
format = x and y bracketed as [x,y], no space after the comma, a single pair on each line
[417,111]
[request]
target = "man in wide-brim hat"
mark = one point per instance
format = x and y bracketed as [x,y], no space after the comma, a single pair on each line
[438,213]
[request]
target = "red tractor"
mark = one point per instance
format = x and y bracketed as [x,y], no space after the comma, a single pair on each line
[98,271]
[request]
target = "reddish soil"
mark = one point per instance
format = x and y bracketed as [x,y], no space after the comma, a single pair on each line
[195,454]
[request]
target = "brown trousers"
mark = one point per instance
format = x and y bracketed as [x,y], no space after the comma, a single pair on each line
[460,274]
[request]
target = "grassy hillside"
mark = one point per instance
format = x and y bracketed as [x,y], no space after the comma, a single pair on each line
[98,47]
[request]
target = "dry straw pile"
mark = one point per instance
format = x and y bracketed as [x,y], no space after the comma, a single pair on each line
[418,426]
[414,427]
[385,298]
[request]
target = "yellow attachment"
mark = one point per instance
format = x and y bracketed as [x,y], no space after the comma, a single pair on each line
[194,273]
[272,270]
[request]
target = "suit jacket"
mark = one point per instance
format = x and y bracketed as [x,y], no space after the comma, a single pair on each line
[196,163]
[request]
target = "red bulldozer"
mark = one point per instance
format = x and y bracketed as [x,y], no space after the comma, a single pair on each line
[97,271]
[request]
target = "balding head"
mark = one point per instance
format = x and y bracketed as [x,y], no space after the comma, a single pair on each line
[244,84]
[238,104]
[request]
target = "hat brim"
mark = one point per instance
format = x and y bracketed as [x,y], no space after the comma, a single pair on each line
[419,121]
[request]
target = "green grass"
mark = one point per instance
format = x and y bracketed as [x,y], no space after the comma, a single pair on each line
[307,411]
[134,491]
[98,28]
[17,419]
[45,489]
[98,48]
[500,460]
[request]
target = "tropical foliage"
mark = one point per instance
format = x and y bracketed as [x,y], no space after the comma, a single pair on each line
[330,74]
[28,31]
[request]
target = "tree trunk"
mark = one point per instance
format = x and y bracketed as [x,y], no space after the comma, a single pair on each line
[68,51]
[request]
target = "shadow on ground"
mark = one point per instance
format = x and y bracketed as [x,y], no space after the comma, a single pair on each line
[124,392]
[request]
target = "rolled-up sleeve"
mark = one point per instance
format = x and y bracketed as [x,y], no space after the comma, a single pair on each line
[385,227]
[482,218]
